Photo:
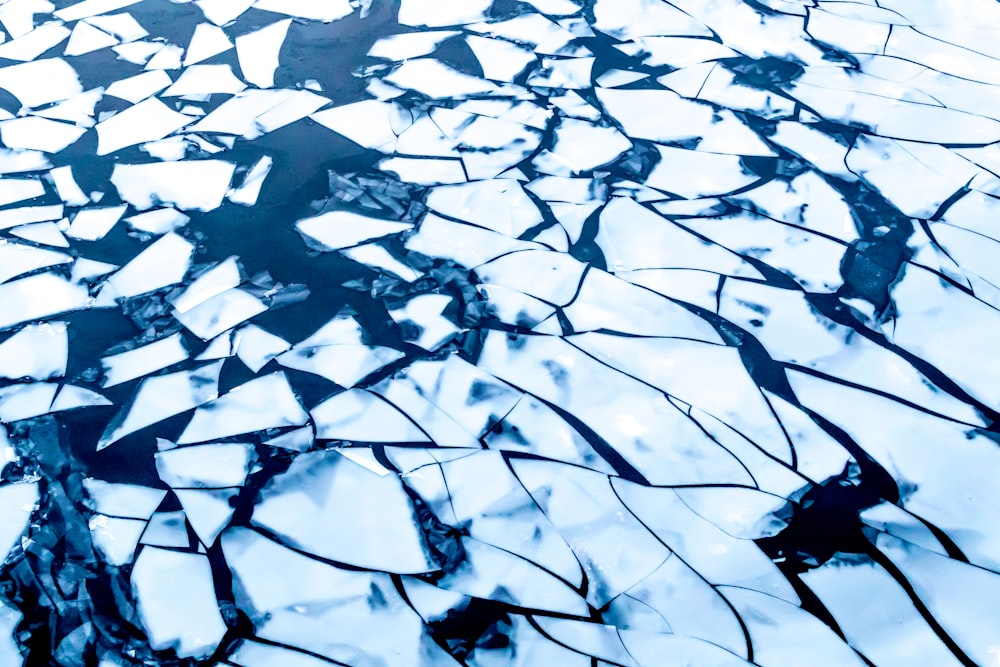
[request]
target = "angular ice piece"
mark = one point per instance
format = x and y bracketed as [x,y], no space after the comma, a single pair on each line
[377,257]
[122,26]
[627,19]
[249,190]
[693,174]
[67,188]
[238,114]
[125,366]
[614,548]
[35,43]
[188,184]
[16,259]
[88,270]
[123,500]
[615,78]
[148,120]
[369,123]
[34,133]
[164,396]
[137,52]
[255,346]
[433,421]
[425,311]
[336,509]
[208,40]
[14,161]
[116,539]
[205,80]
[18,189]
[38,297]
[498,204]
[341,229]
[141,86]
[890,631]
[296,440]
[916,178]
[553,277]
[822,150]
[205,466]
[337,352]
[436,80]
[220,312]
[581,146]
[166,529]
[24,401]
[78,109]
[71,397]
[86,38]
[296,105]
[258,53]
[437,13]
[409,44]
[769,620]
[164,262]
[18,502]
[159,221]
[500,60]
[207,510]
[93,224]
[565,73]
[420,171]
[263,403]
[176,600]
[465,244]
[88,8]
[360,416]
[10,653]
[317,10]
[21,81]
[169,57]
[224,276]
[633,237]
[221,12]
[43,233]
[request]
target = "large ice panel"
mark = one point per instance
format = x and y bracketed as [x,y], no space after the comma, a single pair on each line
[177,603]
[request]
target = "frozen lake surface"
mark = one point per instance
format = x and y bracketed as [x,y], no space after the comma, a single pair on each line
[499,332]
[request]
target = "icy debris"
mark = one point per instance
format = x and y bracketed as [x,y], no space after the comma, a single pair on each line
[342,229]
[93,224]
[135,363]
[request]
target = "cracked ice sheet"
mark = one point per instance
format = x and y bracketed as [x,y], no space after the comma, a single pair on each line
[609,327]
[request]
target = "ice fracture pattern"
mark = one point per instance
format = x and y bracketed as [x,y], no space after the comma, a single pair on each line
[500,332]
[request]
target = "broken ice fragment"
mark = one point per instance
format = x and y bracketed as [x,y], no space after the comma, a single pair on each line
[85,38]
[330,506]
[188,184]
[21,81]
[38,297]
[158,221]
[364,417]
[208,40]
[207,510]
[263,403]
[425,311]
[125,366]
[17,259]
[249,190]
[205,80]
[18,502]
[177,603]
[158,398]
[205,466]
[258,53]
[116,538]
[34,133]
[165,262]
[93,224]
[342,229]
[221,312]
[435,79]
[123,500]
[146,121]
